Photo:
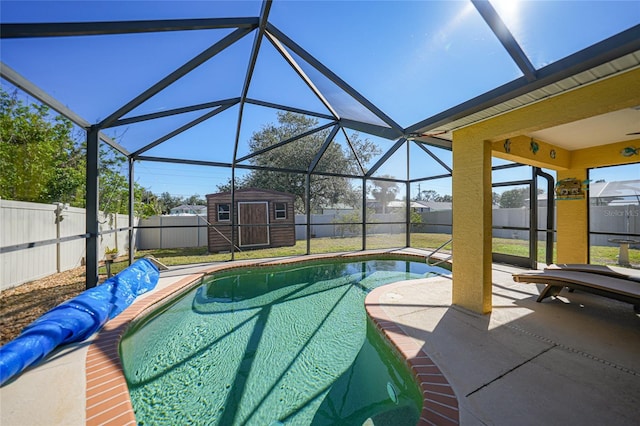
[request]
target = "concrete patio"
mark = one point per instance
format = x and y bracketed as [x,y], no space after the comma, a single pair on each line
[572,360]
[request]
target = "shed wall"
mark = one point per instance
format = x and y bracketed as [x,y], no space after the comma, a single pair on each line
[281,231]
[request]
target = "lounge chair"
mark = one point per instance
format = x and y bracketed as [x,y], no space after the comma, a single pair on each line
[625,290]
[611,271]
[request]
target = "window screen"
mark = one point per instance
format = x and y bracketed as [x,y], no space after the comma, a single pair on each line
[223,212]
[281,210]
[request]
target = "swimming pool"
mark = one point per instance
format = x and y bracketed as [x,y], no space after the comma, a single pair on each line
[273,345]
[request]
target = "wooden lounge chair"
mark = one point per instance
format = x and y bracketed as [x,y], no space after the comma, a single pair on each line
[625,290]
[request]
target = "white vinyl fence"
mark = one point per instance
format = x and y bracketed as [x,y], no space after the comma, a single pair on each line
[179,237]
[618,219]
[622,219]
[328,225]
[606,219]
[24,223]
[517,217]
[167,237]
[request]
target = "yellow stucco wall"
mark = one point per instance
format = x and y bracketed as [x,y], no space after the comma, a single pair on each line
[572,215]
[472,222]
[472,146]
[604,155]
[519,149]
[572,239]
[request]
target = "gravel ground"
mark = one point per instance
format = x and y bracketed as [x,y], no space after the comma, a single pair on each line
[20,306]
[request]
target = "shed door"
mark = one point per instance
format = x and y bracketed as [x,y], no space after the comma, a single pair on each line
[253,221]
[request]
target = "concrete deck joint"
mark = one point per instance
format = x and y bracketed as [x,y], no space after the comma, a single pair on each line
[511,370]
[575,351]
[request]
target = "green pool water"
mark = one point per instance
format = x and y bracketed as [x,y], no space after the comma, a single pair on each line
[268,346]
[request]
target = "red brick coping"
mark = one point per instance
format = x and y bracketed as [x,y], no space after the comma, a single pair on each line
[108,401]
[440,404]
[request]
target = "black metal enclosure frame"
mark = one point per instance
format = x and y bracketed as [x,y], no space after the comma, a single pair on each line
[417,134]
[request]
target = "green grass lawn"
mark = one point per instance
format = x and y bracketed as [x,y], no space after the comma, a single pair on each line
[600,255]
[184,256]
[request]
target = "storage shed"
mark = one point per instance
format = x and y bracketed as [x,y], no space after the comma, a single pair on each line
[265,219]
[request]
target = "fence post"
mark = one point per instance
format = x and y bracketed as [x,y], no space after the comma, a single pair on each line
[307,207]
[115,227]
[132,211]
[58,218]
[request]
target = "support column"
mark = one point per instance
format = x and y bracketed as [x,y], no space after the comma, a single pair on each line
[364,213]
[232,212]
[307,208]
[132,211]
[573,225]
[407,241]
[472,233]
[92,226]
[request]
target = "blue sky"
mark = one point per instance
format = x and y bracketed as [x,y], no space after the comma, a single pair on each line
[412,59]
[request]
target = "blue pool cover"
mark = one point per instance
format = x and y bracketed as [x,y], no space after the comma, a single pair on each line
[77,318]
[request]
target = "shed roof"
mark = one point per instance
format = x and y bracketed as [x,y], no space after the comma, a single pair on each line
[245,191]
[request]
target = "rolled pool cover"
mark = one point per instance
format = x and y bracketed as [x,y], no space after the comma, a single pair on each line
[77,318]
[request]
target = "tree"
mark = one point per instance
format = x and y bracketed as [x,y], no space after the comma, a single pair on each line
[384,192]
[514,198]
[149,204]
[427,195]
[431,195]
[195,200]
[298,155]
[166,201]
[40,160]
[350,224]
[415,217]
[44,162]
[113,194]
[495,198]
